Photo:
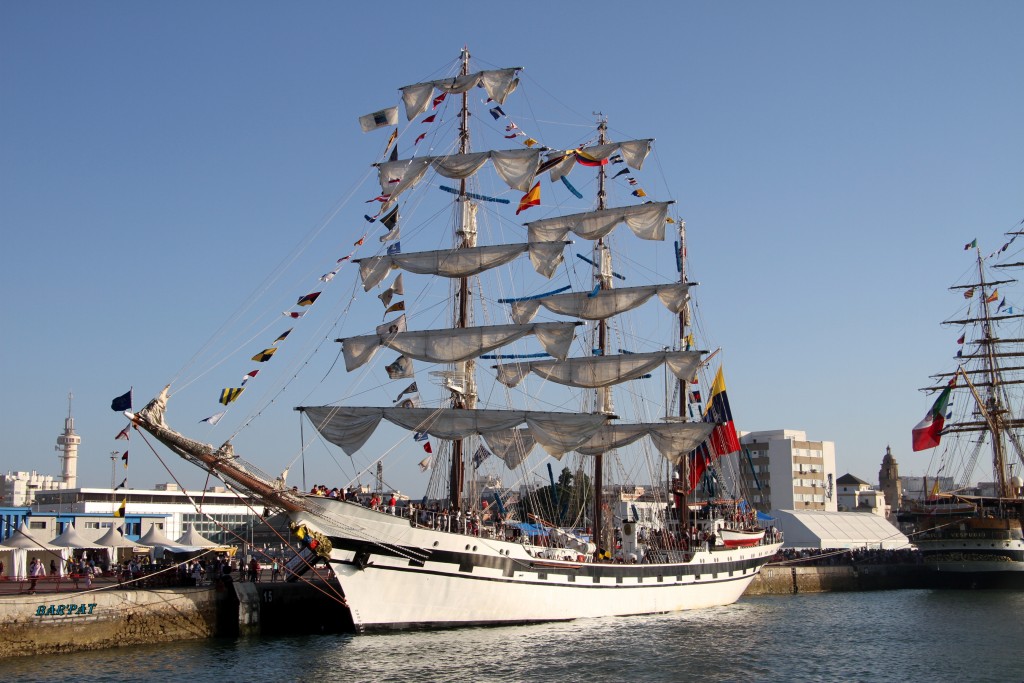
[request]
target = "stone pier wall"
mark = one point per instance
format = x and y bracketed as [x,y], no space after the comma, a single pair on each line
[49,623]
[788,580]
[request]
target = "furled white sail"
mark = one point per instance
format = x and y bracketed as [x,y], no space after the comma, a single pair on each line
[558,433]
[499,84]
[511,445]
[604,304]
[465,262]
[592,372]
[647,221]
[457,345]
[672,439]
[517,167]
[634,152]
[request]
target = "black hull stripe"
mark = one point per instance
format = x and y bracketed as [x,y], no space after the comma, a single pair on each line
[589,584]
[467,562]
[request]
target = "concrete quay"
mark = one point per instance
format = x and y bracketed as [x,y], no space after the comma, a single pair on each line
[781,579]
[53,621]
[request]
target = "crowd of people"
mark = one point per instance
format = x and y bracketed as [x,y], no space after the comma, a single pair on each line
[819,557]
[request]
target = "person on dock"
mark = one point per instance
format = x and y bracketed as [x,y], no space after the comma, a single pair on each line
[35,571]
[275,569]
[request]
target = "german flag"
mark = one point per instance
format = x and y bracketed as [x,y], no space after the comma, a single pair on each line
[265,355]
[230,394]
[308,299]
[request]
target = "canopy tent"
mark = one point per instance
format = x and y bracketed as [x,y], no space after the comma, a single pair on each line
[824,529]
[34,547]
[194,539]
[72,540]
[114,541]
[155,539]
[14,562]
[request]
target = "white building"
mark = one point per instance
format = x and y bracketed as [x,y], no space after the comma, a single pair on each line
[18,489]
[222,516]
[785,471]
[856,495]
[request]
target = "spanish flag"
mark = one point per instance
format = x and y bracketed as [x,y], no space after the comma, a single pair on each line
[993,297]
[531,198]
[723,439]
[230,394]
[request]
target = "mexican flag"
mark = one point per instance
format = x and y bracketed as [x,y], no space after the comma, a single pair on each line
[929,430]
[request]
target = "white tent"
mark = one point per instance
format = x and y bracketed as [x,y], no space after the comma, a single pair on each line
[194,539]
[824,529]
[160,543]
[34,547]
[14,562]
[113,540]
[72,540]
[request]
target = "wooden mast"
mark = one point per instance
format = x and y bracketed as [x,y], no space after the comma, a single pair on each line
[994,407]
[457,473]
[603,395]
[682,469]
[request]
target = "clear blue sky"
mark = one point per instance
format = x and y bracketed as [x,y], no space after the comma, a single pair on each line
[159,160]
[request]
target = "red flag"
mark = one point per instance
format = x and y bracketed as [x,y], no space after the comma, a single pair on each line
[531,198]
[439,99]
[420,137]
[430,119]
[427,448]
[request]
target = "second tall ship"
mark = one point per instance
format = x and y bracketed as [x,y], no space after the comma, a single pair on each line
[973,539]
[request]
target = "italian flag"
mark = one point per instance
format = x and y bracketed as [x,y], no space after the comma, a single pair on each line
[929,430]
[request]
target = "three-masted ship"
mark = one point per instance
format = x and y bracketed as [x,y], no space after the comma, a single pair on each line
[456,559]
[971,537]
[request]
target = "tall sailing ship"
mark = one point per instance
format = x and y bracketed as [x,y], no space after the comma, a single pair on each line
[972,538]
[537,373]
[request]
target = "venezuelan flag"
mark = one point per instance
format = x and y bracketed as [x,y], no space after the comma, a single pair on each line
[587,160]
[723,439]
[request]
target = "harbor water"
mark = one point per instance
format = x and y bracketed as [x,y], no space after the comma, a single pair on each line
[906,635]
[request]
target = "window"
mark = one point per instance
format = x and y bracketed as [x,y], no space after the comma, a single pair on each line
[91,525]
[37,525]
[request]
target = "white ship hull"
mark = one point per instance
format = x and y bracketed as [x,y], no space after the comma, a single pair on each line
[395,576]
